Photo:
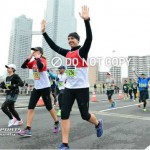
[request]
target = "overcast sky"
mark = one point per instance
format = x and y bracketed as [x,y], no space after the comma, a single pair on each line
[120,25]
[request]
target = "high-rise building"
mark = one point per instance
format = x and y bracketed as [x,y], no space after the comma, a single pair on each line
[20,44]
[60,21]
[116,74]
[102,77]
[93,74]
[140,63]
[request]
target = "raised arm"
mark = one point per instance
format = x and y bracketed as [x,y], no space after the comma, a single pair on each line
[135,73]
[87,44]
[40,63]
[52,75]
[24,65]
[50,42]
[133,69]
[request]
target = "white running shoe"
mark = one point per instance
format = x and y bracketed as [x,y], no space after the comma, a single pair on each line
[18,123]
[10,122]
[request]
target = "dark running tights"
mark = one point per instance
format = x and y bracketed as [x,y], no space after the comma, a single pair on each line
[59,100]
[144,102]
[9,109]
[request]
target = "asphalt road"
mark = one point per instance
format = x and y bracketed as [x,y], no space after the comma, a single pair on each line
[126,127]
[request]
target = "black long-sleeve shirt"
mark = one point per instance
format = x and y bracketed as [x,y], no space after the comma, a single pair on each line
[83,51]
[39,63]
[14,82]
[125,87]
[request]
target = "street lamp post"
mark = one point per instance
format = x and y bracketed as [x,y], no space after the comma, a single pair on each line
[112,65]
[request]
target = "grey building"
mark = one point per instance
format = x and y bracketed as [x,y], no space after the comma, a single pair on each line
[116,74]
[140,63]
[102,77]
[93,74]
[60,21]
[20,44]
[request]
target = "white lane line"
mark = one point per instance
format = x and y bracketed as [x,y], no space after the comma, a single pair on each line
[119,107]
[124,116]
[148,148]
[106,113]
[103,112]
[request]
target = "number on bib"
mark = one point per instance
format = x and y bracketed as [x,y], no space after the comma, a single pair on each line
[36,75]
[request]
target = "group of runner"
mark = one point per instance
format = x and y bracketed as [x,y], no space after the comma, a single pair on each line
[72,86]
[133,86]
[129,88]
[58,85]
[141,85]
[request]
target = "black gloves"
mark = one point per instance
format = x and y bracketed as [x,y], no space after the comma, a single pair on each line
[2,85]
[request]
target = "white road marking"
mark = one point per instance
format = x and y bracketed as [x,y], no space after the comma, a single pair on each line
[106,112]
[148,148]
[119,107]
[124,116]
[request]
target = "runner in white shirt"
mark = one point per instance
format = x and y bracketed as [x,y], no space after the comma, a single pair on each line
[110,84]
[61,80]
[41,89]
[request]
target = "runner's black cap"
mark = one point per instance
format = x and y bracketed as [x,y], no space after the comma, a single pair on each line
[75,35]
[38,49]
[108,73]
[62,67]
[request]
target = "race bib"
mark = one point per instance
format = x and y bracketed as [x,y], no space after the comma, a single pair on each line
[125,87]
[134,86]
[51,81]
[60,84]
[8,83]
[71,71]
[36,75]
[112,87]
[143,85]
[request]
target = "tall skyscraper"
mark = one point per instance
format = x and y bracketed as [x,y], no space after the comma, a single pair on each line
[116,74]
[102,77]
[140,63]
[93,74]
[60,21]
[20,43]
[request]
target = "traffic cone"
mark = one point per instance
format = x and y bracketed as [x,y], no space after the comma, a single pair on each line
[120,95]
[93,99]
[40,102]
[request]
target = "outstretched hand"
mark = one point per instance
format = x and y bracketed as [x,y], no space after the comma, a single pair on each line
[30,56]
[43,25]
[85,13]
[133,69]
